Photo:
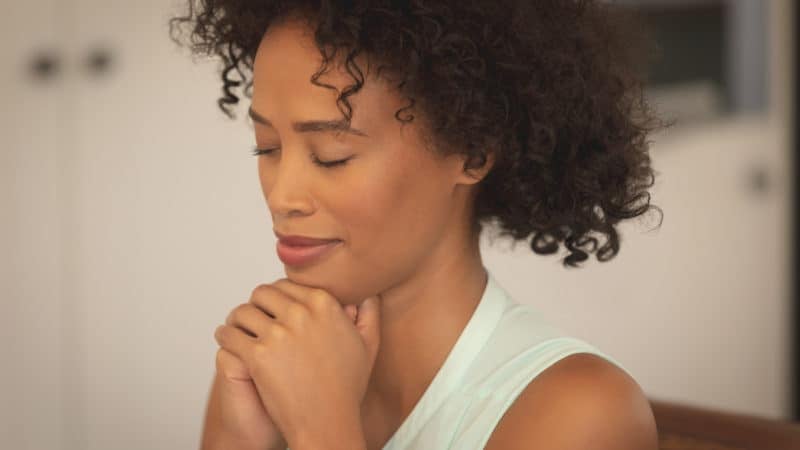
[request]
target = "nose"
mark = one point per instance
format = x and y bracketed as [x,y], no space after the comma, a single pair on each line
[285,182]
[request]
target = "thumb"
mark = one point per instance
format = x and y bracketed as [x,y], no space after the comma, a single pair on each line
[368,324]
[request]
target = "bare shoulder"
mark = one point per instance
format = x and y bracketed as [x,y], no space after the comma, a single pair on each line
[581,402]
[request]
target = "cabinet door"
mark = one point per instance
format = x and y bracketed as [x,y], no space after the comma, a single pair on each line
[169,227]
[716,276]
[698,309]
[33,134]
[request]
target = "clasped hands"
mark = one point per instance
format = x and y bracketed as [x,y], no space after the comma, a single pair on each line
[309,358]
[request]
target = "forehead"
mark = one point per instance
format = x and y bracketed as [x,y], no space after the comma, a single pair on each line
[287,47]
[287,58]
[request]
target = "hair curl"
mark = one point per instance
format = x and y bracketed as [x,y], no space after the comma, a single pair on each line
[554,88]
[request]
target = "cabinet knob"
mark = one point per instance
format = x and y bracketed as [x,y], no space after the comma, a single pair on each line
[758,180]
[45,65]
[98,61]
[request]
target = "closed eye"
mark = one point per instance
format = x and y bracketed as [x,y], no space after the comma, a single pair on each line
[327,164]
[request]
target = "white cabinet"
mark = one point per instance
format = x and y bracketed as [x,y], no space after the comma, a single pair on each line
[133,222]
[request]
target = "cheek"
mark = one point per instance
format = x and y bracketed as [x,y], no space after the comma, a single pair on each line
[369,208]
[394,216]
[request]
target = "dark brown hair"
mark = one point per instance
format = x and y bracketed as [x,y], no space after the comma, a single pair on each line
[555,88]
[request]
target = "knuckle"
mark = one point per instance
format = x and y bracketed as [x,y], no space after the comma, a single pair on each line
[260,350]
[261,289]
[276,333]
[259,359]
[236,312]
[319,299]
[259,356]
[280,282]
[235,315]
[220,333]
[296,313]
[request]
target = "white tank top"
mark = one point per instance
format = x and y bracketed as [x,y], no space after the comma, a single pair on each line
[502,348]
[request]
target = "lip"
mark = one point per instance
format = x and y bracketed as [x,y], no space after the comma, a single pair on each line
[297,241]
[296,255]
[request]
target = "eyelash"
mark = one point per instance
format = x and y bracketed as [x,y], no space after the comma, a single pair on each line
[327,164]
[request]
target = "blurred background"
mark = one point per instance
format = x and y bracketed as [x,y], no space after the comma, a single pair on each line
[133,222]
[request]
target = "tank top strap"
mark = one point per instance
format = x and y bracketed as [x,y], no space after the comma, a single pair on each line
[490,400]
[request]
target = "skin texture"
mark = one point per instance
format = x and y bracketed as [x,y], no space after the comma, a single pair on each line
[403,216]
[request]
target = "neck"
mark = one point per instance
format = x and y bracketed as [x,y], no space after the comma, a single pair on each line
[421,319]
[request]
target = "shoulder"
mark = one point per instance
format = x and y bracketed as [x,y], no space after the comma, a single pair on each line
[580,402]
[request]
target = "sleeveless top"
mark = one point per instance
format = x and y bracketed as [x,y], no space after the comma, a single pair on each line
[503,347]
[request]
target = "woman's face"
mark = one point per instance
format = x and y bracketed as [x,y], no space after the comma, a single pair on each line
[391,203]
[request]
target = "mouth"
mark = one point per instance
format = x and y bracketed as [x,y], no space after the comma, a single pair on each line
[298,241]
[296,255]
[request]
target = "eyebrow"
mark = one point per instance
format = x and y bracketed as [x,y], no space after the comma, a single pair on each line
[311,126]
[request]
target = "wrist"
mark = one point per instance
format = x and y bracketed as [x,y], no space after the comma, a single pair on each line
[343,435]
[223,441]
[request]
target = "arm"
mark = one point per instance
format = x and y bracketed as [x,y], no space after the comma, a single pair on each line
[581,402]
[214,436]
[345,434]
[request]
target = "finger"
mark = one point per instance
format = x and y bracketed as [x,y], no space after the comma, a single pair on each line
[272,300]
[234,340]
[303,294]
[352,312]
[297,291]
[250,318]
[231,367]
[368,323]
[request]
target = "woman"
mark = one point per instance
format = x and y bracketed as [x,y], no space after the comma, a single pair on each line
[392,132]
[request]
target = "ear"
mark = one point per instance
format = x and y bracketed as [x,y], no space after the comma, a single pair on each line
[473,176]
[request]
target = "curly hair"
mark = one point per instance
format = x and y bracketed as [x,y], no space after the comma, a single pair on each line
[553,88]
